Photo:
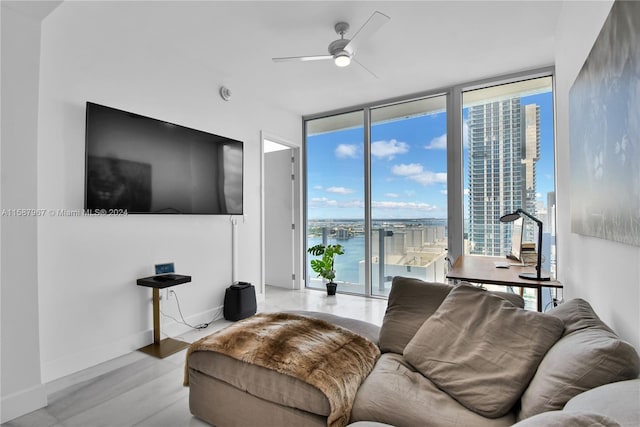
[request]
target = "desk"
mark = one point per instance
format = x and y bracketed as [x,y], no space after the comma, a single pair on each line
[482,269]
[161,348]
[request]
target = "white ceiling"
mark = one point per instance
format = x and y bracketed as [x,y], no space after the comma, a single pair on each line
[426,45]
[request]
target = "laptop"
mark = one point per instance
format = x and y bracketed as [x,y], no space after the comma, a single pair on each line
[516,240]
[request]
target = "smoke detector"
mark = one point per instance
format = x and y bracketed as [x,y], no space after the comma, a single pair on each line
[225,93]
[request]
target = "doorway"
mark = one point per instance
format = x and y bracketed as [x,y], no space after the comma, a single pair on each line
[280,213]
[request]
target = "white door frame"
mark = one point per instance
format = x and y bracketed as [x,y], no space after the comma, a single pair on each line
[296,215]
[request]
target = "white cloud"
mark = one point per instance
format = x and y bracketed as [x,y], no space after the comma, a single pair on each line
[443,191]
[392,195]
[344,151]
[428,178]
[323,202]
[339,190]
[318,187]
[440,142]
[403,205]
[388,149]
[407,170]
[416,172]
[437,143]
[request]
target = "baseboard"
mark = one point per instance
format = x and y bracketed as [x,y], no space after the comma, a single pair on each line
[87,358]
[17,404]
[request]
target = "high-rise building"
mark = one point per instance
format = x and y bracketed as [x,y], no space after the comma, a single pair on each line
[531,154]
[504,145]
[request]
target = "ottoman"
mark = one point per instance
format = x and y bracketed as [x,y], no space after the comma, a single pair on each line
[227,392]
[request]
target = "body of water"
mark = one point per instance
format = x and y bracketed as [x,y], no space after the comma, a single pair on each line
[346,265]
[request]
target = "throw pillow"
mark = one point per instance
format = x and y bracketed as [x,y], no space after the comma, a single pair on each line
[481,349]
[411,302]
[589,355]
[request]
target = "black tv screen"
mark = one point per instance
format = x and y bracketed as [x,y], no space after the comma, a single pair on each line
[136,164]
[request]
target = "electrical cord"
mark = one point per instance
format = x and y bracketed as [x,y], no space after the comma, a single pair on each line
[554,300]
[183,321]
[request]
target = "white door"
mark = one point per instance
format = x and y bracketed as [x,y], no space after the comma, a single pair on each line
[279,217]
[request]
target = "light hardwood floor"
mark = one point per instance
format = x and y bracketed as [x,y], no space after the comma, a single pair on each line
[140,390]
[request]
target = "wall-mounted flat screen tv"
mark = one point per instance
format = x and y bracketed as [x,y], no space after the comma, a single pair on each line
[139,165]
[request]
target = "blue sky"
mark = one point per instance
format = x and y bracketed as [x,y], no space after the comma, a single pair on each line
[408,167]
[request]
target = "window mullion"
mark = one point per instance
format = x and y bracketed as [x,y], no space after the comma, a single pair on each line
[455,190]
[367,201]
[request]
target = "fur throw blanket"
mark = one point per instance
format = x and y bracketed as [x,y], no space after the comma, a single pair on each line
[332,359]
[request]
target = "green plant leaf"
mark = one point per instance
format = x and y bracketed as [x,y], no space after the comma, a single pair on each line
[324,265]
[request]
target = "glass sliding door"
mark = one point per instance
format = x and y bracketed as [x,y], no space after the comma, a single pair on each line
[408,156]
[508,163]
[335,195]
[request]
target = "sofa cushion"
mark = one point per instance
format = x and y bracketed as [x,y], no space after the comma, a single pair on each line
[411,302]
[619,400]
[588,355]
[577,314]
[394,393]
[568,419]
[481,349]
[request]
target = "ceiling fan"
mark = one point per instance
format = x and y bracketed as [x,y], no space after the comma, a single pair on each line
[342,50]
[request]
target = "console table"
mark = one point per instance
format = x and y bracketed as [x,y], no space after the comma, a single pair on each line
[482,269]
[162,348]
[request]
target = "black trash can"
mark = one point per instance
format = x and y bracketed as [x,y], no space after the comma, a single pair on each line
[239,301]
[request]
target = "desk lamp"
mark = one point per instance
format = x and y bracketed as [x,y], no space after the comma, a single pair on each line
[538,274]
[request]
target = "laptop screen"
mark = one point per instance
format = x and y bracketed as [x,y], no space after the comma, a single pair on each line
[516,238]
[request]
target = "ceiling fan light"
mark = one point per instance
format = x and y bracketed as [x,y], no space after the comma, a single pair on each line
[342,58]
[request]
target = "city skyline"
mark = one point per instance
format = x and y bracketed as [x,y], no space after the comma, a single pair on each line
[408,164]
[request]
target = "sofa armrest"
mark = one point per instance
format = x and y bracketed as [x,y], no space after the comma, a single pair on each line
[618,401]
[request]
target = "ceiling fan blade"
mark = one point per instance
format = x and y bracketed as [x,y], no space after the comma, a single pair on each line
[302,58]
[372,25]
[360,64]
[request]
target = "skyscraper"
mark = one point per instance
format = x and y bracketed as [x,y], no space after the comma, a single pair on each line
[504,145]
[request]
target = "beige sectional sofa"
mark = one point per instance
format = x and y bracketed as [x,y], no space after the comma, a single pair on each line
[451,356]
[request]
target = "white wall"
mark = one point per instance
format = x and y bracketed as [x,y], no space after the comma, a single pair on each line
[90,307]
[22,390]
[605,273]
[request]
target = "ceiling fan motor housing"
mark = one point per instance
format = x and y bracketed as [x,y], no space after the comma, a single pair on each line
[339,45]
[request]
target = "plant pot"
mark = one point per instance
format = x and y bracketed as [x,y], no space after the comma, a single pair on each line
[331,288]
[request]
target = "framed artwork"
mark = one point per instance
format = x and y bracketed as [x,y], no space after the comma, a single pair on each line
[604,114]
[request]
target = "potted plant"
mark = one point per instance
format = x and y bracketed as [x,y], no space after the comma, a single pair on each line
[324,265]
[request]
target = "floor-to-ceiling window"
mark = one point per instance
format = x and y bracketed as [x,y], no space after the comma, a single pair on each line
[508,158]
[408,192]
[377,185]
[380,180]
[335,194]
